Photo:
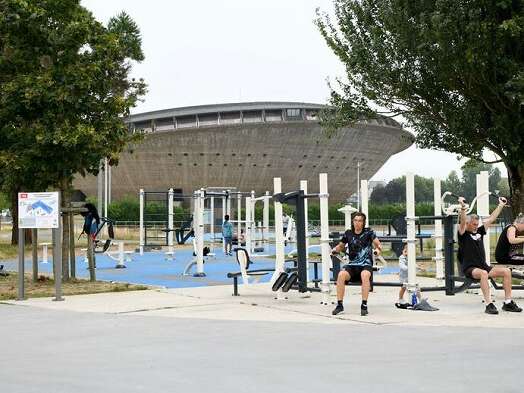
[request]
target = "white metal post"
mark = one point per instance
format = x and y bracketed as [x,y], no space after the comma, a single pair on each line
[483,208]
[239,218]
[212,223]
[279,231]
[224,212]
[170,196]
[324,237]
[358,186]
[364,199]
[411,223]
[303,187]
[199,241]
[141,229]
[438,236]
[109,183]
[265,218]
[253,222]
[106,182]
[100,187]
[248,224]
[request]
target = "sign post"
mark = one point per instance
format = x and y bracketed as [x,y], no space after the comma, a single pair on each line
[40,210]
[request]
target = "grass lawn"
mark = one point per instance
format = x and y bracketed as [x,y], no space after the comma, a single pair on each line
[7,251]
[45,287]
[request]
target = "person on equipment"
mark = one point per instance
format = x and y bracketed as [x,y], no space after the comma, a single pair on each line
[510,245]
[227,234]
[357,243]
[91,221]
[403,275]
[472,256]
[285,222]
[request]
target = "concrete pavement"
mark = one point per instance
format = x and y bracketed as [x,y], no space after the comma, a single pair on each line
[205,340]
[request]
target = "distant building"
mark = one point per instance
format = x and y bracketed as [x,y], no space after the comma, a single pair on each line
[246,145]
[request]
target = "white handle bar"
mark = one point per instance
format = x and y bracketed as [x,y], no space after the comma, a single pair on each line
[453,209]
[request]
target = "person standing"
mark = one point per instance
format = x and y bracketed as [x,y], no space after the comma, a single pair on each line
[227,235]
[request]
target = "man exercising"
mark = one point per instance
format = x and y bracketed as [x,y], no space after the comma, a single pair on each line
[357,244]
[509,247]
[472,256]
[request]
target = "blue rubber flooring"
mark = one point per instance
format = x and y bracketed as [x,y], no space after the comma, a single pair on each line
[153,268]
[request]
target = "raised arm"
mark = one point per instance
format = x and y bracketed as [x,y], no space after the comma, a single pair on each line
[462,216]
[491,219]
[512,236]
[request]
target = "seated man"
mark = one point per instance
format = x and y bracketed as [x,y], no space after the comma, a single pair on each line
[473,258]
[357,244]
[509,247]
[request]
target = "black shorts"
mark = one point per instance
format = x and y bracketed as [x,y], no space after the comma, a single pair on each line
[354,272]
[468,271]
[515,259]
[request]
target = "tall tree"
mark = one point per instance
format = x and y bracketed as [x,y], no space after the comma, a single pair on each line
[470,169]
[453,69]
[64,87]
[395,191]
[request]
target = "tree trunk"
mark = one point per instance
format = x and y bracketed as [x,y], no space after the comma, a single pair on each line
[516,187]
[14,215]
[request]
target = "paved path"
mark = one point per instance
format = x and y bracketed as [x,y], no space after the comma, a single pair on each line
[205,340]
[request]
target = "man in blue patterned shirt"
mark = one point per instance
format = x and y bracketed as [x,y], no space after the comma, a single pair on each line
[357,244]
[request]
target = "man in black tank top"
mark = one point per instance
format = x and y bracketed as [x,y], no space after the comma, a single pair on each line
[510,245]
[473,258]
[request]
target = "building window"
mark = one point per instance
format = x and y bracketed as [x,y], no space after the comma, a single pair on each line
[164,124]
[293,114]
[230,118]
[186,121]
[252,116]
[208,119]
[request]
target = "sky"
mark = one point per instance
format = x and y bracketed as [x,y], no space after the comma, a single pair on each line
[200,52]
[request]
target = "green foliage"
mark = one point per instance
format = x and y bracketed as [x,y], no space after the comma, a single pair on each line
[128,209]
[4,201]
[395,191]
[469,172]
[453,70]
[64,88]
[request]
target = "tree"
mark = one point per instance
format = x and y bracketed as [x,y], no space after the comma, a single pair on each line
[470,170]
[64,88]
[453,184]
[395,191]
[453,69]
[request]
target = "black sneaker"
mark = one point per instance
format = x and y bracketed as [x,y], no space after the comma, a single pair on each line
[338,309]
[491,309]
[363,310]
[511,307]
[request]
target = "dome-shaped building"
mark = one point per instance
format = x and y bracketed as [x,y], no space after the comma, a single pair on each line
[246,145]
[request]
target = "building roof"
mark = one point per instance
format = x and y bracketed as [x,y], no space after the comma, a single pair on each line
[215,108]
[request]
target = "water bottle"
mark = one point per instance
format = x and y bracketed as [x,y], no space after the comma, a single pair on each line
[414,298]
